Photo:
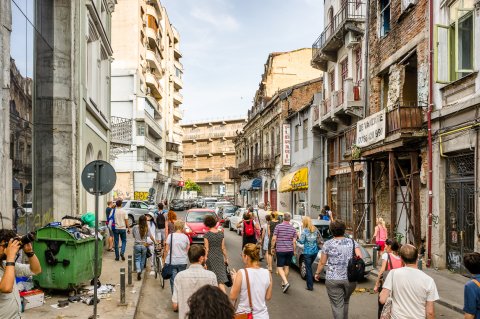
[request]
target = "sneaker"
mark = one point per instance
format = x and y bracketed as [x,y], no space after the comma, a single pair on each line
[152,273]
[285,287]
[139,276]
[123,257]
[117,259]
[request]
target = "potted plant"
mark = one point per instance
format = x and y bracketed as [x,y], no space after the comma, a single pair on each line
[356,151]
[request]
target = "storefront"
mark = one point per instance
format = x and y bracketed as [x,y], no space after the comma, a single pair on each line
[296,182]
[250,190]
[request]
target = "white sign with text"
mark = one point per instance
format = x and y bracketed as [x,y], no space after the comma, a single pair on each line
[286,144]
[371,129]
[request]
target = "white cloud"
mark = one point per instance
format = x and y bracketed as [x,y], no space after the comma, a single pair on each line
[219,20]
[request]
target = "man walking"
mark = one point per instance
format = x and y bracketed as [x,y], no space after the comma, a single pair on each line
[190,280]
[283,243]
[472,288]
[121,229]
[160,218]
[413,292]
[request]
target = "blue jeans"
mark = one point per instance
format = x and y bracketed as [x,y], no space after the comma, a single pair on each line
[122,233]
[140,256]
[176,270]
[309,259]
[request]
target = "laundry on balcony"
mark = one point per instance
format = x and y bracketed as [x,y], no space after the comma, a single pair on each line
[252,184]
[295,181]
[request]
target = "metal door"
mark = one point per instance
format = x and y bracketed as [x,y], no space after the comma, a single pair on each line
[459,209]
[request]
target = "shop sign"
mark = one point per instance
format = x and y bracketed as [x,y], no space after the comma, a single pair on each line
[371,129]
[286,144]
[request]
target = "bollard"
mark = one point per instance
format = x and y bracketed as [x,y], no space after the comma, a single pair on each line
[130,270]
[122,286]
[374,256]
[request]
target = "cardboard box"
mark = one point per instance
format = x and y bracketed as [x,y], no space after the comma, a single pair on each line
[32,299]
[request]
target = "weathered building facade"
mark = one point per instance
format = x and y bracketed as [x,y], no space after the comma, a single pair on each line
[208,152]
[146,100]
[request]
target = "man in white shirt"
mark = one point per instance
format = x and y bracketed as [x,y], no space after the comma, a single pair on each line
[413,292]
[121,229]
[190,280]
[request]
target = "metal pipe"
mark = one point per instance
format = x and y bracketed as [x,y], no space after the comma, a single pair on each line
[122,286]
[366,75]
[130,269]
[429,123]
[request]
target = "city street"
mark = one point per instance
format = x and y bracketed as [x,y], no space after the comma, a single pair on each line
[297,303]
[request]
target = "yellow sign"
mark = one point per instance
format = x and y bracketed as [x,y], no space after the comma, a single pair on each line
[295,181]
[140,196]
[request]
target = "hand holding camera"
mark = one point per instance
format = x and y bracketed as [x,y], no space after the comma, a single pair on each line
[12,249]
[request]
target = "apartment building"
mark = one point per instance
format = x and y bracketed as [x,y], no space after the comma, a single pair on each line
[146,100]
[208,152]
[263,155]
[455,122]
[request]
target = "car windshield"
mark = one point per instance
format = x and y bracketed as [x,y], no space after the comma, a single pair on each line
[176,201]
[27,205]
[123,204]
[198,217]
[229,209]
[210,204]
[324,231]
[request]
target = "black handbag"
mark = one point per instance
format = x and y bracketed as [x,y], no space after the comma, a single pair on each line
[167,270]
[356,266]
[229,282]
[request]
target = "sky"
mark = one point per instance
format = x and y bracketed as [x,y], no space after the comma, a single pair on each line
[225,44]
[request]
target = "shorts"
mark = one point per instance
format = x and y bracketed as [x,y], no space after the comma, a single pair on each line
[381,244]
[160,234]
[110,231]
[284,258]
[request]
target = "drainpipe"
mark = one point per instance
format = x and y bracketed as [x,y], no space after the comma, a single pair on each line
[429,123]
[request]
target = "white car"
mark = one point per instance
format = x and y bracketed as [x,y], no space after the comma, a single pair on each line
[237,218]
[219,205]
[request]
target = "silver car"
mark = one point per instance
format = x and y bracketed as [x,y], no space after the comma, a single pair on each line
[135,209]
[324,228]
[235,219]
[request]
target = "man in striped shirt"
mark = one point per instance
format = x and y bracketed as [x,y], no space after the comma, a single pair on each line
[283,242]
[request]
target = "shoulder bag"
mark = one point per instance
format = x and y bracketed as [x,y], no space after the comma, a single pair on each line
[229,282]
[385,273]
[387,307]
[111,220]
[250,314]
[356,266]
[167,270]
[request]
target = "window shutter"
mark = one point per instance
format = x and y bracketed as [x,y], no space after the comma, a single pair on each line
[464,41]
[441,54]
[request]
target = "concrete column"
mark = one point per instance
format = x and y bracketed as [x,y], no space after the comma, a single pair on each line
[54,113]
[5,162]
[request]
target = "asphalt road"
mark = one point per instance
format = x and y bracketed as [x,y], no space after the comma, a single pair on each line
[296,303]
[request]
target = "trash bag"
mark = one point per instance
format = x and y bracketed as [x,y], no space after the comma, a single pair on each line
[89,219]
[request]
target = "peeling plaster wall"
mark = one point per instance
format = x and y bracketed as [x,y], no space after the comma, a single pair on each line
[394,85]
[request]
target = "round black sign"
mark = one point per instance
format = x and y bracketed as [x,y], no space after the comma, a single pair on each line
[104,172]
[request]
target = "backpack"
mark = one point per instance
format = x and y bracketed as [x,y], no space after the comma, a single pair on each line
[356,266]
[248,227]
[160,220]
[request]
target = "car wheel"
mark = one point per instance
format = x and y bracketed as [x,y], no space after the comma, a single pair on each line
[131,220]
[303,269]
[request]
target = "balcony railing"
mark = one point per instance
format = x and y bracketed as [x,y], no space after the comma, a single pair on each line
[404,118]
[263,162]
[326,106]
[351,10]
[316,113]
[233,173]
[244,167]
[121,130]
[350,137]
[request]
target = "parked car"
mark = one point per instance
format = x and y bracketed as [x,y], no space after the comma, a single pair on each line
[134,209]
[210,202]
[235,219]
[177,204]
[151,206]
[190,202]
[228,211]
[219,206]
[199,203]
[324,228]
[194,226]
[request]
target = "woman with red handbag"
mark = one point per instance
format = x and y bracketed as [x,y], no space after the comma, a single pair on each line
[252,286]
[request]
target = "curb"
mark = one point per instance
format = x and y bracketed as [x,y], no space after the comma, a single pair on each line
[445,303]
[140,292]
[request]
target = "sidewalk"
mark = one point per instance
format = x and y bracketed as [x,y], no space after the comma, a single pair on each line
[107,308]
[449,286]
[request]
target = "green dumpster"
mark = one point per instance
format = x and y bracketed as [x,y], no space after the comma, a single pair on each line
[67,262]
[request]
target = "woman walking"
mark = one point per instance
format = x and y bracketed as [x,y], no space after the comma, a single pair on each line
[390,260]
[171,218]
[337,252]
[179,244]
[264,240]
[308,239]
[140,246]
[249,225]
[380,235]
[252,286]
[271,228]
[151,243]
[216,251]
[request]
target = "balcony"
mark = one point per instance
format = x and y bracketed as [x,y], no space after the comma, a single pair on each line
[177,114]
[244,167]
[263,162]
[153,84]
[172,156]
[177,130]
[350,18]
[146,115]
[177,81]
[348,101]
[151,10]
[121,131]
[177,98]
[150,144]
[176,53]
[154,60]
[233,173]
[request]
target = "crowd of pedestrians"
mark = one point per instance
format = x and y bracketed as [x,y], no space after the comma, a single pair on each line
[200,291]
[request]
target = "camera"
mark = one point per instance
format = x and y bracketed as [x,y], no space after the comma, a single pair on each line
[26,239]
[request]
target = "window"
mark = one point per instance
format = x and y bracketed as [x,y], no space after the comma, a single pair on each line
[305,133]
[384,6]
[358,64]
[344,67]
[297,137]
[454,43]
[140,129]
[331,78]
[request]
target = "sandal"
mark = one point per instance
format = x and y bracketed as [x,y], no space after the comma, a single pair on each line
[111,249]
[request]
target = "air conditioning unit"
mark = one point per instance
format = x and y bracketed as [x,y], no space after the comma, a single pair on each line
[351,40]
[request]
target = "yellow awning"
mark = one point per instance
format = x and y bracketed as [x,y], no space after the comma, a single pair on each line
[295,181]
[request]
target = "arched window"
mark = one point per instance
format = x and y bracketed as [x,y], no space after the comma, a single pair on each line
[273,185]
[330,17]
[100,155]
[89,154]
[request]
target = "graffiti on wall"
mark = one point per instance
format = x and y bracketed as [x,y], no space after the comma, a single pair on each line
[118,193]
[140,196]
[33,221]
